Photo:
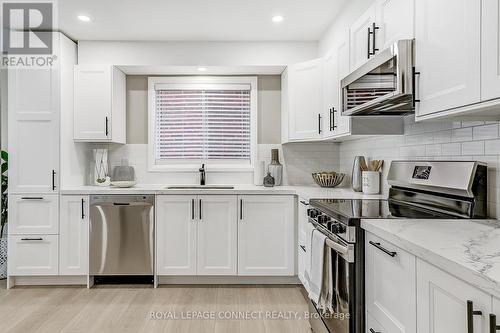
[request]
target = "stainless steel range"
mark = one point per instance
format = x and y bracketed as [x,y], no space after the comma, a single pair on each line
[418,190]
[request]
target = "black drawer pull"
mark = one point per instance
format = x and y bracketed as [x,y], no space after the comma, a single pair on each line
[304,203]
[303,248]
[373,331]
[32,239]
[493,324]
[83,209]
[381,248]
[31,198]
[470,316]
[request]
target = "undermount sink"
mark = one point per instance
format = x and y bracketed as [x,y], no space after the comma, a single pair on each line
[200,187]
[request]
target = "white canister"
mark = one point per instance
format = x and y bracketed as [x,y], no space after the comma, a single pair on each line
[371,182]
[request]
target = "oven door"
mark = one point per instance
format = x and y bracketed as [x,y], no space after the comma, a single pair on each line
[347,291]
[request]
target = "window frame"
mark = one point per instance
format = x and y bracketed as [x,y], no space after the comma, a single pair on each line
[194,165]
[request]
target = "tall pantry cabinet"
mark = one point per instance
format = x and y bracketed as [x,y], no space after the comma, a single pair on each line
[36,99]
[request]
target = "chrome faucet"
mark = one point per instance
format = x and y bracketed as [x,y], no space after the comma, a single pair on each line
[202,174]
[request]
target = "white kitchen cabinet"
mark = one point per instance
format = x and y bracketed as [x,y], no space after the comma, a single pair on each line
[302,252]
[266,240]
[495,310]
[33,214]
[373,326]
[33,255]
[395,20]
[336,67]
[305,100]
[176,227]
[74,235]
[360,38]
[490,50]
[447,34]
[303,218]
[442,302]
[390,286]
[33,107]
[217,235]
[99,105]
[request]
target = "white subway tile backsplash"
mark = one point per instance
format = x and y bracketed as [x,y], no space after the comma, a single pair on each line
[450,149]
[433,150]
[472,123]
[492,147]
[473,148]
[461,134]
[485,132]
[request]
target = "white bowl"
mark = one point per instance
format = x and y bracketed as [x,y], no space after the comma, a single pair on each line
[123,184]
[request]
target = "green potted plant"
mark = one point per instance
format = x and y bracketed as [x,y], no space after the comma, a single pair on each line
[3,213]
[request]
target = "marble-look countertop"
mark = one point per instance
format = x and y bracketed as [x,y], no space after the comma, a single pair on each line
[304,192]
[467,249]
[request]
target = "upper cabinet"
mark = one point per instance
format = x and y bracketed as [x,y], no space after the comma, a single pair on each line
[381,25]
[99,113]
[305,100]
[361,38]
[448,54]
[490,55]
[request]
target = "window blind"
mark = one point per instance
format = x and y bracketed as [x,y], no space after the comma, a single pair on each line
[202,123]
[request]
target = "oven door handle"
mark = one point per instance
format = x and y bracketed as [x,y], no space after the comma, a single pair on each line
[337,247]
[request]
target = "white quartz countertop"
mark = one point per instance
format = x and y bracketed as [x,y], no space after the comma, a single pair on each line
[304,192]
[467,249]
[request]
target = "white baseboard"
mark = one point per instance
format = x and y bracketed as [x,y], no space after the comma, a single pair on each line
[47,280]
[228,280]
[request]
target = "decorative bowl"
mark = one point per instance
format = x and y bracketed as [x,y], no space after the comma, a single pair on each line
[328,179]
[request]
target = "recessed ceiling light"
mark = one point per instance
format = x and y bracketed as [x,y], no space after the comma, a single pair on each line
[202,69]
[277,18]
[84,18]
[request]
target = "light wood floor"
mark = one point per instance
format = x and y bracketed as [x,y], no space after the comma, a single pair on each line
[128,309]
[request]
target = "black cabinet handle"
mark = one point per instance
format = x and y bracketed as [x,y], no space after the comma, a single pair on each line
[192,209]
[304,203]
[368,52]
[333,117]
[470,316]
[374,33]
[493,324]
[319,123]
[381,248]
[107,127]
[241,209]
[53,180]
[373,331]
[414,87]
[83,209]
[200,209]
[32,239]
[31,198]
[303,248]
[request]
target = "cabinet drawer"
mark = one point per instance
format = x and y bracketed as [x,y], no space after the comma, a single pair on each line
[33,214]
[390,285]
[33,254]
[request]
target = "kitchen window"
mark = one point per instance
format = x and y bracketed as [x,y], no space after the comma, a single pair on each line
[196,120]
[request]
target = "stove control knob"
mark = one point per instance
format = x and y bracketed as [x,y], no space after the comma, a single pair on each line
[313,213]
[341,228]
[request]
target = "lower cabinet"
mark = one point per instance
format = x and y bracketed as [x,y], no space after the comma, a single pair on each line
[33,214]
[266,235]
[390,287]
[74,235]
[442,302]
[196,235]
[33,255]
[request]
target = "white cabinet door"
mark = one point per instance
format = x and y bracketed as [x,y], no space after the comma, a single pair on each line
[266,235]
[33,109]
[302,218]
[176,235]
[360,39]
[33,214]
[442,302]
[305,100]
[302,251]
[217,235]
[33,255]
[390,286]
[395,20]
[74,235]
[447,34]
[373,326]
[490,50]
[99,113]
[495,311]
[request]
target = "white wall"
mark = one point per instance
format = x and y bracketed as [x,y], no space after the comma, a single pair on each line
[195,53]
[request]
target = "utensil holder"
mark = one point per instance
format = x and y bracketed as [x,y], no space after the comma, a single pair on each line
[371,182]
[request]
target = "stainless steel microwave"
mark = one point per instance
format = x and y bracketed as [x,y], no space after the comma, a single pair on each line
[384,85]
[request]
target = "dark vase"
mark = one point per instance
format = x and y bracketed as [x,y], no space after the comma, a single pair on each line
[268,180]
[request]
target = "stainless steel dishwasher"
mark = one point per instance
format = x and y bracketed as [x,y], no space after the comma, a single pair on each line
[121,234]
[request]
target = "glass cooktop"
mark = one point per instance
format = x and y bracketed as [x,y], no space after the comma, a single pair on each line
[345,209]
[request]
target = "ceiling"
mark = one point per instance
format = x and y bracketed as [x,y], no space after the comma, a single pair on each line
[197,20]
